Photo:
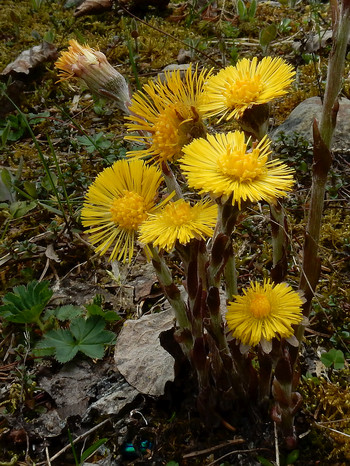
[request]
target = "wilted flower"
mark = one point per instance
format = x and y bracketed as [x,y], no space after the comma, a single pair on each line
[166,114]
[117,203]
[236,88]
[264,312]
[92,66]
[223,166]
[179,221]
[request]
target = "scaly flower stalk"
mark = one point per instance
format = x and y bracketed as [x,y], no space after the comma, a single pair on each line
[322,155]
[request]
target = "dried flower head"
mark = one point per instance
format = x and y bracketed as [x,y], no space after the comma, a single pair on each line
[94,69]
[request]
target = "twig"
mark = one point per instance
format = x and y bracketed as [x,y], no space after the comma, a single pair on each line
[47,456]
[67,447]
[237,451]
[276,444]
[216,447]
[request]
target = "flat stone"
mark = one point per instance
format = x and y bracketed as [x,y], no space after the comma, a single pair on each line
[140,358]
[301,120]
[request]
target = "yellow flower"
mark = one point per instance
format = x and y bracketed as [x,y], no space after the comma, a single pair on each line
[222,166]
[179,221]
[92,66]
[236,88]
[166,114]
[116,204]
[264,312]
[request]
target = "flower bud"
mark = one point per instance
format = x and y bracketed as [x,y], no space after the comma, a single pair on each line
[93,68]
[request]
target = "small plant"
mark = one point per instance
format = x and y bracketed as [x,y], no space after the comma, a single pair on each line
[246,13]
[267,35]
[26,304]
[86,453]
[85,331]
[334,359]
[85,335]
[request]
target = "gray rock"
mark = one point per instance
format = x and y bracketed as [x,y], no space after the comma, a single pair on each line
[139,356]
[301,120]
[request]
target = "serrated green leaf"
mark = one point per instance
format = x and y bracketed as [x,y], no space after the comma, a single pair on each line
[333,358]
[68,312]
[108,316]
[87,336]
[26,303]
[63,342]
[91,336]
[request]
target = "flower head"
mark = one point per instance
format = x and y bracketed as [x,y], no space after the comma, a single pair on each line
[116,204]
[179,221]
[264,312]
[223,166]
[236,88]
[92,66]
[167,113]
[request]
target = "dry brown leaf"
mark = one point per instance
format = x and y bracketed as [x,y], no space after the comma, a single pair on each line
[31,58]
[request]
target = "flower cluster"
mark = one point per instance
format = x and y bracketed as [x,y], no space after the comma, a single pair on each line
[230,169]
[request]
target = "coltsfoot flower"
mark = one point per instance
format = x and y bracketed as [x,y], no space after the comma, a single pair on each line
[167,116]
[92,66]
[236,88]
[116,204]
[264,312]
[179,221]
[223,166]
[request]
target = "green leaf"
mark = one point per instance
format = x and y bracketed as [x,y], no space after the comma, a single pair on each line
[68,312]
[91,336]
[242,9]
[264,462]
[19,208]
[333,358]
[108,316]
[30,188]
[26,303]
[62,341]
[252,9]
[47,181]
[292,457]
[89,451]
[87,336]
[267,35]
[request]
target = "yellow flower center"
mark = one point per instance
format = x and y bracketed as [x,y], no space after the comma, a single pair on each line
[129,211]
[241,165]
[165,136]
[260,306]
[179,213]
[243,91]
